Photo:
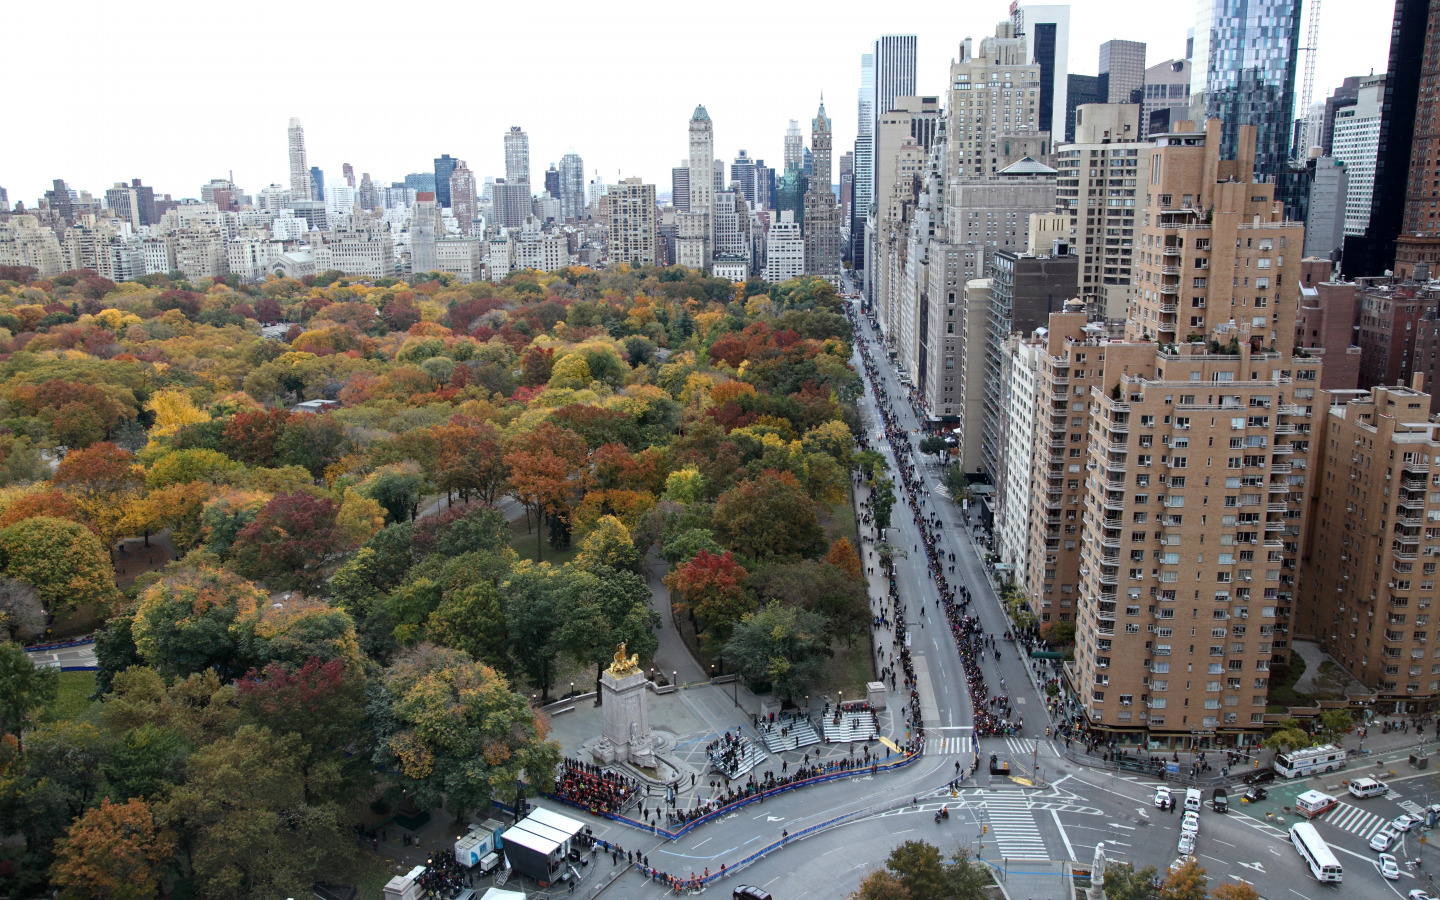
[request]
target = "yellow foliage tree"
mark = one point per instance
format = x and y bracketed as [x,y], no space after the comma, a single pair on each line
[359,518]
[173,410]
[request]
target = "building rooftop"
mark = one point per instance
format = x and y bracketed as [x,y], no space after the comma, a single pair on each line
[1027,166]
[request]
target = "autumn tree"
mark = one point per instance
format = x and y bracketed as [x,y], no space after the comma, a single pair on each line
[199,620]
[767,516]
[1125,882]
[104,480]
[113,852]
[1185,883]
[470,460]
[881,885]
[291,538]
[609,544]
[842,556]
[1234,890]
[450,727]
[542,465]
[712,588]
[62,560]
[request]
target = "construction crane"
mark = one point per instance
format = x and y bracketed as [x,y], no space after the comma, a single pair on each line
[1307,91]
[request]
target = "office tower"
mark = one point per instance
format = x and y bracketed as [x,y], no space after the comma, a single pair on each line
[1122,70]
[784,249]
[1368,592]
[790,191]
[299,168]
[764,185]
[1325,211]
[517,156]
[133,203]
[572,187]
[893,65]
[864,160]
[444,168]
[552,181]
[4,200]
[794,146]
[632,223]
[1047,33]
[1355,141]
[512,203]
[348,171]
[904,135]
[317,184]
[847,193]
[742,172]
[426,230]
[463,200]
[1181,480]
[983,114]
[421,181]
[717,169]
[1106,150]
[1411,43]
[1244,74]
[822,215]
[1346,95]
[680,187]
[1080,91]
[696,244]
[1167,91]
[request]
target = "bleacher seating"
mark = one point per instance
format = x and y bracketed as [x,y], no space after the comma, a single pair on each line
[790,733]
[734,755]
[853,722]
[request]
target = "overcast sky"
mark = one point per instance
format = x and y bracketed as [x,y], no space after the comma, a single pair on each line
[178,93]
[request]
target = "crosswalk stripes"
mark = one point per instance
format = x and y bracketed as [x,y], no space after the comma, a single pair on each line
[1354,820]
[1013,825]
[1021,746]
[1411,807]
[950,746]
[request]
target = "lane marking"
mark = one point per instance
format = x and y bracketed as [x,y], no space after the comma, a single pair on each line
[1069,851]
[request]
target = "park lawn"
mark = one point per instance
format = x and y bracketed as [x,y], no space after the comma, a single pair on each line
[849,668]
[522,540]
[72,699]
[370,873]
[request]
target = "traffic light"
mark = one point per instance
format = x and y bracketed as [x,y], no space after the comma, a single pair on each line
[984,829]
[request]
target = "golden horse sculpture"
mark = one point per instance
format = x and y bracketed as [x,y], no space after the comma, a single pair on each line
[624,665]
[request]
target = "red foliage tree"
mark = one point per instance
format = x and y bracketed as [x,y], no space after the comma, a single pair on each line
[712,588]
[290,539]
[252,436]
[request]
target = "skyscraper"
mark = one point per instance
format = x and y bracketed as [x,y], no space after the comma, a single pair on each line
[1122,70]
[552,182]
[1410,43]
[299,168]
[1419,239]
[572,187]
[794,146]
[822,215]
[632,223]
[696,243]
[1355,138]
[444,167]
[1244,74]
[893,65]
[348,171]
[517,156]
[680,186]
[864,183]
[742,170]
[317,183]
[1047,33]
[462,197]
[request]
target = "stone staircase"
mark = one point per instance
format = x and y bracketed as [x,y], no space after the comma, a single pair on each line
[752,757]
[798,733]
[853,726]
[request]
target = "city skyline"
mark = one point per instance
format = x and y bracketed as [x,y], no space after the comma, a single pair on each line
[750,107]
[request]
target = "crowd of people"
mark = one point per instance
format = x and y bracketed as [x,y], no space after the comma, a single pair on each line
[728,753]
[443,876]
[593,788]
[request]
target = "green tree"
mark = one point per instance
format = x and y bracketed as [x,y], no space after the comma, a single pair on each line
[145,762]
[881,885]
[25,688]
[934,445]
[768,516]
[782,645]
[1125,882]
[450,727]
[199,620]
[1334,724]
[607,608]
[62,560]
[1289,736]
[921,870]
[472,620]
[533,595]
[397,488]
[685,544]
[882,502]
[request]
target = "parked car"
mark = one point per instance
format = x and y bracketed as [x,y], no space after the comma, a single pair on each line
[1220,801]
[1181,863]
[1256,794]
[1383,840]
[750,892]
[1389,867]
[1162,797]
[1406,823]
[1260,776]
[1418,894]
[1187,843]
[1191,823]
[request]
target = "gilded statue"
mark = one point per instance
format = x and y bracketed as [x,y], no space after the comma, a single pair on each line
[624,665]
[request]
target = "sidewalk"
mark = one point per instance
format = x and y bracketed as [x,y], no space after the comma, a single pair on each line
[1033,879]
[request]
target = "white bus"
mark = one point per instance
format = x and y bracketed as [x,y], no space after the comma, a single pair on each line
[1309,761]
[1313,849]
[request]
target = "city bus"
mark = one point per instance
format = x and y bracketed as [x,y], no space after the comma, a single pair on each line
[1313,849]
[1309,761]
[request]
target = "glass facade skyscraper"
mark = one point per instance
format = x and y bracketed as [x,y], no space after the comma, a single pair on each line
[444,168]
[1249,58]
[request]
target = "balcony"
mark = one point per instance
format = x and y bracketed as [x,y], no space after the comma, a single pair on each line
[1274,526]
[1171,290]
[1169,270]
[1286,428]
[1116,447]
[1169,308]
[1409,522]
[1275,508]
[1283,449]
[1171,252]
[1280,468]
[1279,487]
[1415,465]
[1288,409]
[1414,484]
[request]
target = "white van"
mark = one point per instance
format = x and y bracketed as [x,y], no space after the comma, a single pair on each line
[1367,787]
[1314,803]
[1194,797]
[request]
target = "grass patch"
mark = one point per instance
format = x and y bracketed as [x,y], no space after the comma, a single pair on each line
[72,699]
[849,669]
[370,873]
[840,522]
[522,540]
[77,621]
[1282,684]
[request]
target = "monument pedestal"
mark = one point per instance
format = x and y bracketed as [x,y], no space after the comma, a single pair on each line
[625,721]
